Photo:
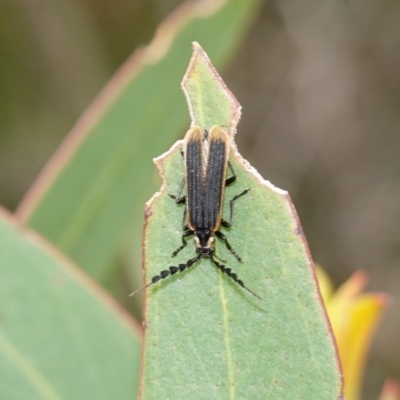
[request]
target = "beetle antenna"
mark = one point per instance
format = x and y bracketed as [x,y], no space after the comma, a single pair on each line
[167,272]
[234,276]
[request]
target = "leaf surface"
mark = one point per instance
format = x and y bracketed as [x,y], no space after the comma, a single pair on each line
[206,337]
[61,337]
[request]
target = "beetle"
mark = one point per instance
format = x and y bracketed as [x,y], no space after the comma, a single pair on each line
[206,159]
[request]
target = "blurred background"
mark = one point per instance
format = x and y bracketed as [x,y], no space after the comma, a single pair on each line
[319,83]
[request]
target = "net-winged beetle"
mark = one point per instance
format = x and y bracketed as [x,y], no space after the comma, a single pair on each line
[206,157]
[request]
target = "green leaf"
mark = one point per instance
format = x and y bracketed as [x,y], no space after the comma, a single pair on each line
[61,337]
[205,336]
[97,183]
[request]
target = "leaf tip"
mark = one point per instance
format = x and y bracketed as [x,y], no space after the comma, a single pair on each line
[210,102]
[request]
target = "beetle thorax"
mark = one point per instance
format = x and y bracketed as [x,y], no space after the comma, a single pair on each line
[204,241]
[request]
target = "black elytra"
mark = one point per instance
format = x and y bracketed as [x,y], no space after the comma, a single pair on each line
[206,156]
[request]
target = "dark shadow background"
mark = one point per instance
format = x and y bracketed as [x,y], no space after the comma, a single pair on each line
[319,82]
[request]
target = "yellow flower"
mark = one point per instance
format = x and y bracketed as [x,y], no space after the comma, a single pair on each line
[354,317]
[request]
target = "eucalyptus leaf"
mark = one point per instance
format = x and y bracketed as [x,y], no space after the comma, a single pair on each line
[205,336]
[61,337]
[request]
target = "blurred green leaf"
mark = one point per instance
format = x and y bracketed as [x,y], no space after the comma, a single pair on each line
[98,181]
[205,336]
[61,337]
